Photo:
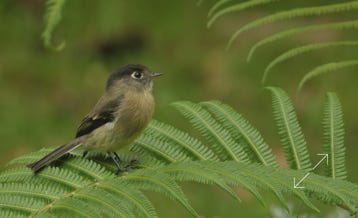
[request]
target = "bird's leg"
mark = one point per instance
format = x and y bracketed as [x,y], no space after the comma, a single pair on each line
[118,158]
[115,159]
[84,154]
[131,165]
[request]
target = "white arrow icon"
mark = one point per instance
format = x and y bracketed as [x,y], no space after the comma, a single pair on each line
[297,185]
[325,156]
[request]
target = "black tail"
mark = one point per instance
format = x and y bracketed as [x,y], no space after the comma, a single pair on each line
[54,155]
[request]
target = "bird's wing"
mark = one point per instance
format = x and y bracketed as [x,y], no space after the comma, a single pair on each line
[101,114]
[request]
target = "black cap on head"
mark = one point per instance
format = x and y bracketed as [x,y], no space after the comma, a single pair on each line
[125,71]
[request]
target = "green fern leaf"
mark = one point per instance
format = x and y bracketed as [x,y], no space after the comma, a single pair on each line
[107,204]
[218,137]
[298,12]
[52,18]
[10,213]
[240,128]
[301,50]
[159,149]
[152,180]
[67,206]
[23,204]
[35,190]
[291,136]
[325,68]
[134,198]
[193,171]
[297,30]
[180,140]
[237,7]
[334,137]
[243,175]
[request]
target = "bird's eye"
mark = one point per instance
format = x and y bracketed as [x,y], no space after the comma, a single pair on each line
[137,75]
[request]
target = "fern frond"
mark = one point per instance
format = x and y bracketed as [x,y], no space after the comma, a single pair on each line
[67,206]
[219,138]
[301,50]
[60,176]
[217,5]
[52,18]
[243,132]
[20,204]
[107,204]
[159,149]
[152,180]
[120,196]
[327,190]
[325,68]
[266,177]
[194,171]
[180,140]
[10,213]
[136,199]
[45,191]
[334,137]
[293,13]
[237,7]
[297,30]
[289,130]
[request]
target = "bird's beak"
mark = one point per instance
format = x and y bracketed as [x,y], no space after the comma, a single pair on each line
[155,74]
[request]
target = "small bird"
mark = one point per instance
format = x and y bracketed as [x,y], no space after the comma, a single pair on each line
[116,120]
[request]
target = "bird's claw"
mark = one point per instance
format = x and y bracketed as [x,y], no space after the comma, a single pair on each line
[130,166]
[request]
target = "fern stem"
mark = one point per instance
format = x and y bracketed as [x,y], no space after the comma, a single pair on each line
[297,30]
[301,50]
[298,12]
[325,68]
[237,7]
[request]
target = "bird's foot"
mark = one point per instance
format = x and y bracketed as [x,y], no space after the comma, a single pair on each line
[130,166]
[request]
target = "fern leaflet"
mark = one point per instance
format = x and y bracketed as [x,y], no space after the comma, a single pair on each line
[289,130]
[334,137]
[217,136]
[245,134]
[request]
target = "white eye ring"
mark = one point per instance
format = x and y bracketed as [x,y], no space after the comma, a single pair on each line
[137,75]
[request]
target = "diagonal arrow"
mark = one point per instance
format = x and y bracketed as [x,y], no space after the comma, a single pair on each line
[297,185]
[325,156]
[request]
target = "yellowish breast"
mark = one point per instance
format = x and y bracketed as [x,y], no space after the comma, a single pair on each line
[135,112]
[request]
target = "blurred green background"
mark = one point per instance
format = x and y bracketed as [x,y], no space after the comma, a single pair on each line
[44,94]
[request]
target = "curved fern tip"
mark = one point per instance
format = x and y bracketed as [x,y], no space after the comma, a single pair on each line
[299,88]
[56,48]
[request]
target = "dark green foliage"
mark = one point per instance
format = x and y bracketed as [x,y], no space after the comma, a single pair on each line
[89,188]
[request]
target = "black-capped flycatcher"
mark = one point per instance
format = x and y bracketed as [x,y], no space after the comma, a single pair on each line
[116,120]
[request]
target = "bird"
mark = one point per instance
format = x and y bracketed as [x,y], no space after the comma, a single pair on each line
[116,120]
